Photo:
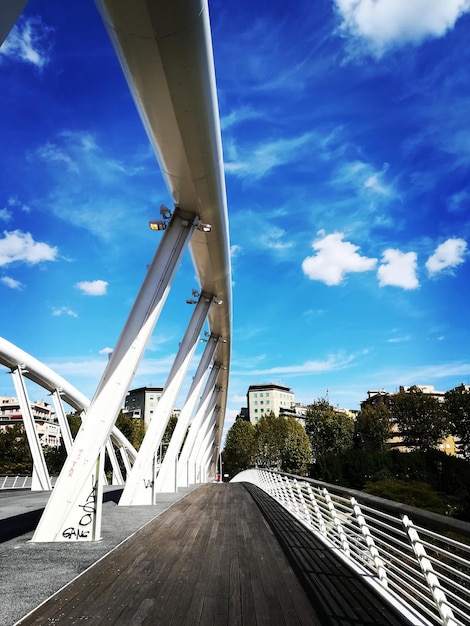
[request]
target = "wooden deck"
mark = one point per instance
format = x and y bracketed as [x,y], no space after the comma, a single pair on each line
[213,558]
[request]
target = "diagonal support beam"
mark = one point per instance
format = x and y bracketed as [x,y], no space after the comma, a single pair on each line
[208,420]
[166,480]
[183,468]
[41,478]
[76,486]
[140,483]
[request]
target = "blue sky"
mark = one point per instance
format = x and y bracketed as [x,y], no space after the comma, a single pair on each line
[345,128]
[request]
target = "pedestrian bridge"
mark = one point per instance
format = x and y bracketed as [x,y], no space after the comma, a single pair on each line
[267,548]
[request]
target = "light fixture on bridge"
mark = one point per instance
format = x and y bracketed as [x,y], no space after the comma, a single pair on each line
[165,213]
[205,228]
[216,301]
[157,225]
[163,223]
[191,301]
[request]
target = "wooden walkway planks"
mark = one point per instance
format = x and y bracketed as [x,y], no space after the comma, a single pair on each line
[212,559]
[209,559]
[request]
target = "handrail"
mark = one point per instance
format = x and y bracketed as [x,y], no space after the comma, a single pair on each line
[423,573]
[18,481]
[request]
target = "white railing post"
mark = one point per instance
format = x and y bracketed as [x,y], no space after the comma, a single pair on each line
[303,510]
[372,548]
[316,508]
[432,580]
[337,523]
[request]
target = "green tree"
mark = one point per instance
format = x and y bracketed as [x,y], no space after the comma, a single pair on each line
[133,429]
[295,452]
[329,431]
[239,447]
[373,427]
[457,404]
[421,419]
[282,444]
[15,456]
[269,435]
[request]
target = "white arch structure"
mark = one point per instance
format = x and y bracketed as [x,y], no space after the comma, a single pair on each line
[23,365]
[165,51]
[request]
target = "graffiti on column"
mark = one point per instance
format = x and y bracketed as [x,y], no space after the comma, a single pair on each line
[88,512]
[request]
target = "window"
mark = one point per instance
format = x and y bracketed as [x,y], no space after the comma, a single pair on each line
[255,402]
[260,395]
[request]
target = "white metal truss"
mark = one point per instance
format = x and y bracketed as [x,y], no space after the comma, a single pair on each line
[183,471]
[166,479]
[41,479]
[10,10]
[139,487]
[62,419]
[194,457]
[12,356]
[202,458]
[165,50]
[77,480]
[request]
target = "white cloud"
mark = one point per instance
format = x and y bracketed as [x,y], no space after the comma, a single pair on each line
[273,238]
[11,282]
[234,250]
[385,23]
[29,41]
[5,215]
[106,351]
[93,287]
[19,246]
[237,116]
[64,311]
[332,363]
[335,258]
[256,162]
[398,269]
[448,254]
[52,153]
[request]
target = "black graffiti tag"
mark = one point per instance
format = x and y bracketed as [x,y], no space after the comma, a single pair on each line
[89,510]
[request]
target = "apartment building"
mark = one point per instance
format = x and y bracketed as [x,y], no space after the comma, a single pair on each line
[141,403]
[262,399]
[44,418]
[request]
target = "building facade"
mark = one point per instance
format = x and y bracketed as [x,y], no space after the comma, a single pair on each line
[141,403]
[262,399]
[44,418]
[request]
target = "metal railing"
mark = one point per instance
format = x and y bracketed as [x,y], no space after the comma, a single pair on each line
[15,482]
[400,550]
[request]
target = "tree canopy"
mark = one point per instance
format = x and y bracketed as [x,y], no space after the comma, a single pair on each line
[421,419]
[239,447]
[458,412]
[329,431]
[279,443]
[373,427]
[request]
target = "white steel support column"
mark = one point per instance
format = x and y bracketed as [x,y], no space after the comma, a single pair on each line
[201,435]
[64,510]
[140,483]
[117,474]
[10,10]
[62,419]
[183,467]
[41,478]
[201,469]
[166,481]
